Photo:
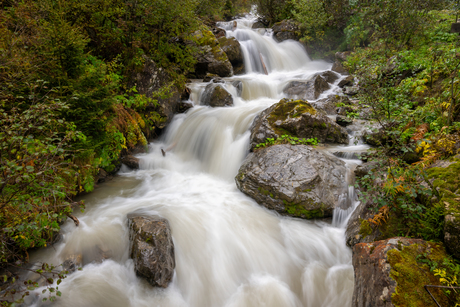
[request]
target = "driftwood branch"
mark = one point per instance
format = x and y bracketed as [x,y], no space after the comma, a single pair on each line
[75,220]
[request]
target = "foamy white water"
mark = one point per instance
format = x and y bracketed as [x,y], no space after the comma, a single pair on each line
[229,250]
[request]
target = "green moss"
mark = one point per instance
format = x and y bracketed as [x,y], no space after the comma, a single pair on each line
[411,275]
[299,210]
[365,229]
[205,38]
[447,182]
[288,108]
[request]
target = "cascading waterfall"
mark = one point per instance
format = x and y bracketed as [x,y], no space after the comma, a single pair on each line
[229,250]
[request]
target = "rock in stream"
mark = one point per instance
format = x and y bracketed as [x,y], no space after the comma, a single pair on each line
[151,248]
[295,180]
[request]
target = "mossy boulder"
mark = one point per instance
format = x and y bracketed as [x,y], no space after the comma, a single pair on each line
[310,89]
[339,68]
[216,96]
[286,29]
[296,118]
[446,180]
[359,229]
[151,248]
[298,180]
[210,57]
[232,49]
[393,272]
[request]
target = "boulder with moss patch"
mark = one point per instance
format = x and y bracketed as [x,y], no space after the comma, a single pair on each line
[446,180]
[297,118]
[393,272]
[210,57]
[298,180]
[232,49]
[309,90]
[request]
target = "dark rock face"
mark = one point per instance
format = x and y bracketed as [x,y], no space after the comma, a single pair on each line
[297,118]
[210,56]
[150,80]
[338,67]
[346,81]
[130,161]
[285,30]
[388,273]
[151,248]
[308,90]
[216,96]
[293,180]
[329,76]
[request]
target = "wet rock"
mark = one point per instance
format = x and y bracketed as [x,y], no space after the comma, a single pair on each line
[130,161]
[329,76]
[329,104]
[347,81]
[239,87]
[364,169]
[390,273]
[102,175]
[297,118]
[306,89]
[350,90]
[286,29]
[209,77]
[216,96]
[338,67]
[375,138]
[343,111]
[184,106]
[260,23]
[210,56]
[296,180]
[151,248]
[343,121]
[72,262]
[147,82]
[233,50]
[342,56]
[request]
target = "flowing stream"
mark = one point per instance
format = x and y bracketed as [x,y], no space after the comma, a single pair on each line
[229,250]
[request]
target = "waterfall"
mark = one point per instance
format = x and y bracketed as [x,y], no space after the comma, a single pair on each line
[229,250]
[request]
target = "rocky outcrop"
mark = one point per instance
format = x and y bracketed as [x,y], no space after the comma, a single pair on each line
[232,48]
[147,82]
[329,104]
[308,90]
[216,96]
[151,248]
[445,178]
[343,121]
[390,273]
[297,118]
[293,180]
[260,23]
[286,29]
[210,56]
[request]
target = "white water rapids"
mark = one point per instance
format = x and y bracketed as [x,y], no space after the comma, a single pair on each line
[229,250]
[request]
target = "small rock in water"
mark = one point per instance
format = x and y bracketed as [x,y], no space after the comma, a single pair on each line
[72,262]
[346,81]
[151,248]
[130,161]
[216,96]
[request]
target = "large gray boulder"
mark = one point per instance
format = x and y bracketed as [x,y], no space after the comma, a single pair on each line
[151,248]
[297,118]
[210,56]
[309,90]
[216,96]
[294,180]
[232,49]
[286,29]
